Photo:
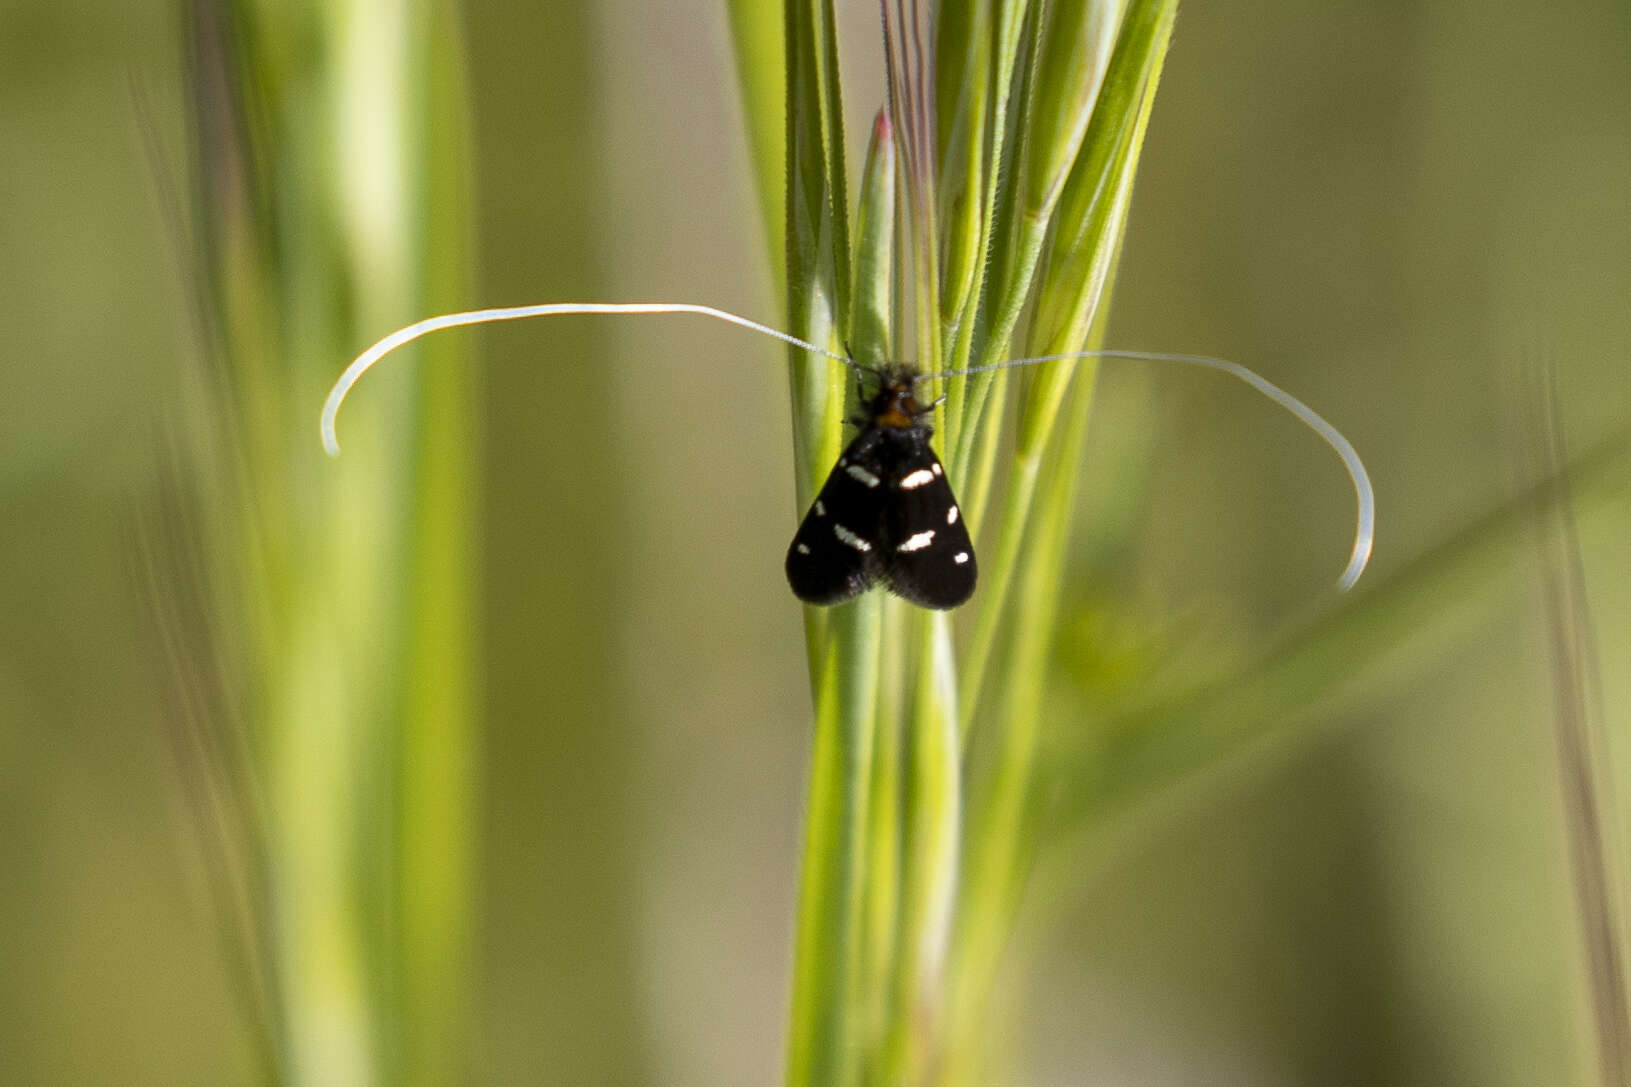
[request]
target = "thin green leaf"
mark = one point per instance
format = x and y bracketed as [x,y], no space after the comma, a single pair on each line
[931,857]
[910,74]
[1076,48]
[964,97]
[757,33]
[872,305]
[817,258]
[832,924]
[1008,245]
[1078,266]
[818,244]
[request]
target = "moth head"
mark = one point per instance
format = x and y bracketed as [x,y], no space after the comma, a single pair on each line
[896,404]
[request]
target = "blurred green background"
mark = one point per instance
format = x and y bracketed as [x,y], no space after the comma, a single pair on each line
[1394,209]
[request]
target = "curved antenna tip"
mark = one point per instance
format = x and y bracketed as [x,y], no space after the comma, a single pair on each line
[328,420]
[1357,563]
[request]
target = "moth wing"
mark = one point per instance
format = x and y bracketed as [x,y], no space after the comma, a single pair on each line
[836,553]
[929,558]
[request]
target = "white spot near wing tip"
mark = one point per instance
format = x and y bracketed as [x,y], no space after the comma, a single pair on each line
[804,549]
[916,479]
[850,538]
[951,516]
[918,541]
[820,510]
[861,475]
[960,558]
[935,467]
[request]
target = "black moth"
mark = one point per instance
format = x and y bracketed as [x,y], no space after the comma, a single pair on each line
[885,515]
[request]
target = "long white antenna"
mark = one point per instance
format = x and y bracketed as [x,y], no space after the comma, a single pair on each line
[1364,493]
[354,372]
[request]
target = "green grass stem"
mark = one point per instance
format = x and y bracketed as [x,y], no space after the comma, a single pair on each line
[931,857]
[828,975]
[1033,107]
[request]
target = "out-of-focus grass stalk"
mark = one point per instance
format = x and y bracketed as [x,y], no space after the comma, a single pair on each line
[331,184]
[1581,750]
[437,866]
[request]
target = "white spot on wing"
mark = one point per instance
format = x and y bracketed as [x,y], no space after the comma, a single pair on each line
[935,467]
[917,479]
[850,538]
[804,549]
[861,475]
[951,516]
[918,541]
[820,510]
[960,558]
